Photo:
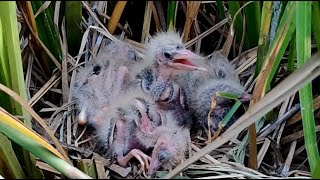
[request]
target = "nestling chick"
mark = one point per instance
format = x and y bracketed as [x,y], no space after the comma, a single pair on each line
[139,127]
[166,57]
[200,87]
[102,79]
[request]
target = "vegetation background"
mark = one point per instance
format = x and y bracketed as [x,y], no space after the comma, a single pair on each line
[43,43]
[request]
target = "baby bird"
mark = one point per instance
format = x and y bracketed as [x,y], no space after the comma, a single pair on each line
[200,87]
[166,57]
[141,127]
[102,79]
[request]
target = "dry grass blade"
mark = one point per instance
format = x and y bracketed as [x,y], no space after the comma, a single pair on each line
[192,12]
[155,16]
[45,88]
[24,104]
[116,14]
[146,21]
[286,88]
[206,33]
[227,45]
[42,8]
[297,117]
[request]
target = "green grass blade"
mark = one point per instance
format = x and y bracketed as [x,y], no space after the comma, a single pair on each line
[171,14]
[316,174]
[221,9]
[5,78]
[73,13]
[292,53]
[278,46]
[253,18]
[12,49]
[11,55]
[234,6]
[230,113]
[303,43]
[315,21]
[10,167]
[47,30]
[264,34]
[227,95]
[41,152]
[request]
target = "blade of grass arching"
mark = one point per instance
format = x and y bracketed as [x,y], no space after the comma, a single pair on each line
[315,21]
[264,33]
[47,30]
[25,105]
[171,14]
[286,88]
[303,43]
[221,9]
[234,6]
[116,15]
[253,18]
[8,120]
[32,142]
[11,49]
[272,60]
[292,53]
[73,13]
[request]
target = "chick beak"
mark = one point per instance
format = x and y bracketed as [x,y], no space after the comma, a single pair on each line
[184,60]
[154,162]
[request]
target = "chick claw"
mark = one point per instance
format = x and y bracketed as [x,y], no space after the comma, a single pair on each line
[139,155]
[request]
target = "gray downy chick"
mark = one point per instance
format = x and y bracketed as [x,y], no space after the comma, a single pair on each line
[200,86]
[166,57]
[139,128]
[102,79]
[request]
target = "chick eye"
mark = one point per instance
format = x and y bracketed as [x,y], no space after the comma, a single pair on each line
[96,69]
[162,156]
[179,47]
[167,55]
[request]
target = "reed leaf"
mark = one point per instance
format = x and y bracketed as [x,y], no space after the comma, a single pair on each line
[303,43]
[234,6]
[13,76]
[272,60]
[253,18]
[315,21]
[8,121]
[47,31]
[32,142]
[264,34]
[73,13]
[292,53]
[316,174]
[171,14]
[221,9]
[10,167]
